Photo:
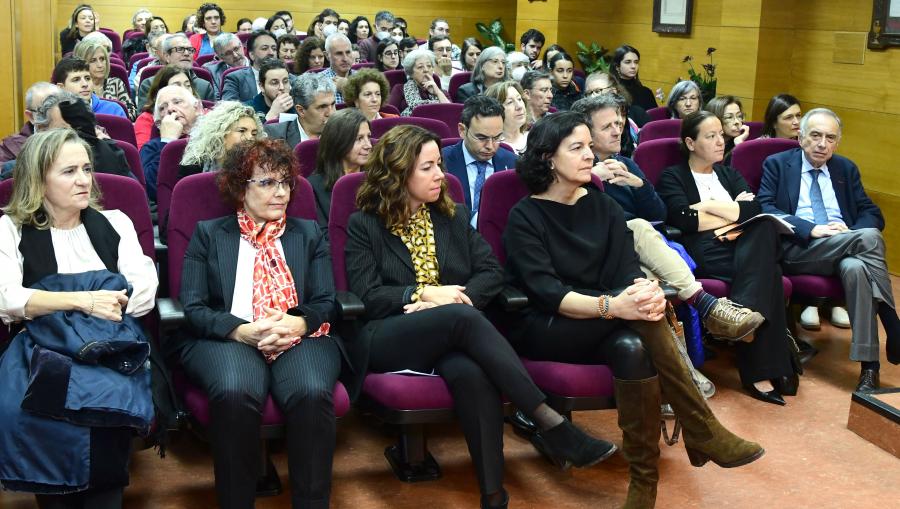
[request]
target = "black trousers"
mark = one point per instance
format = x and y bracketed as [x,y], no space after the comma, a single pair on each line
[752,265]
[237,381]
[560,339]
[478,365]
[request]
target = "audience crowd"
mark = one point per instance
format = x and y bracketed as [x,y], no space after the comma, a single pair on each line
[601,238]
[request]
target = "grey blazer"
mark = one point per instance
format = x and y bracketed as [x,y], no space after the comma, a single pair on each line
[287,131]
[240,86]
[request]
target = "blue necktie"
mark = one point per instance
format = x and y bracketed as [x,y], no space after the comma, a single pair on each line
[479,183]
[815,198]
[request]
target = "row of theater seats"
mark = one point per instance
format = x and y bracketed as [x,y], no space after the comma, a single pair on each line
[406,402]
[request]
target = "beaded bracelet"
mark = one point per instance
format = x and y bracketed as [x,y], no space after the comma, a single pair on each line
[92,303]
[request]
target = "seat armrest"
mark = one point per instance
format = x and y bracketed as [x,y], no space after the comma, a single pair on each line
[349,306]
[512,299]
[171,314]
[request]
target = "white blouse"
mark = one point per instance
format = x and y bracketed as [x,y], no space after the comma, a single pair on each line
[242,300]
[710,188]
[75,253]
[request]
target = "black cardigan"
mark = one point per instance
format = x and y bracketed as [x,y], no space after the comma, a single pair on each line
[677,188]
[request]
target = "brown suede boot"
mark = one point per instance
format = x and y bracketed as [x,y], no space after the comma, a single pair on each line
[639,418]
[704,437]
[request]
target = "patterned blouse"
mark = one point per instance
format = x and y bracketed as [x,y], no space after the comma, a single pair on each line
[415,96]
[114,88]
[418,235]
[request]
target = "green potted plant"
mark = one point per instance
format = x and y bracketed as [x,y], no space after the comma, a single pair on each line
[493,33]
[706,80]
[593,58]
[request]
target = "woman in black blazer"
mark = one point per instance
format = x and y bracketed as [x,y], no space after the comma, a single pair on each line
[702,195]
[258,296]
[424,274]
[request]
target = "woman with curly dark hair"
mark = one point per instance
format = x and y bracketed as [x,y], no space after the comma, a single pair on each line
[596,306]
[360,29]
[211,18]
[311,55]
[424,275]
[250,327]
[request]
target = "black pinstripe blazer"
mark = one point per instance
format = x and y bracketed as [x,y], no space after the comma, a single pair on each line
[380,271]
[210,263]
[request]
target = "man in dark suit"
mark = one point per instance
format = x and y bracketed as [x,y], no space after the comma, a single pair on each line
[176,112]
[243,85]
[313,96]
[837,230]
[384,23]
[479,154]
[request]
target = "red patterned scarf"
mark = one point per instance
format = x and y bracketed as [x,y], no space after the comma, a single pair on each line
[273,284]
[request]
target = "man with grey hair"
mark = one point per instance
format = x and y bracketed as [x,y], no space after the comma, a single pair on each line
[176,49]
[314,100]
[34,97]
[338,49]
[384,23]
[175,112]
[243,85]
[837,231]
[229,54]
[154,48]
[628,186]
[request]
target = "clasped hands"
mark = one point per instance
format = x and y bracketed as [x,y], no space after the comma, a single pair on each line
[433,296]
[106,304]
[615,172]
[643,300]
[273,333]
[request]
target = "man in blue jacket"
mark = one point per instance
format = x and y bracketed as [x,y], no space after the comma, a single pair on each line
[837,231]
[479,154]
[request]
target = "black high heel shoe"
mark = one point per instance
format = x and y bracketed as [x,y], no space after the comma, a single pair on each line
[786,385]
[768,397]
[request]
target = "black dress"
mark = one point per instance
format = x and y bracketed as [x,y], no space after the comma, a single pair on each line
[751,264]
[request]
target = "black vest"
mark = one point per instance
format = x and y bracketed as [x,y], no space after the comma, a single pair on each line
[39,257]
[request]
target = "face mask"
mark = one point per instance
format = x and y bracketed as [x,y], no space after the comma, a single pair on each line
[382,35]
[279,32]
[518,72]
[328,30]
[397,38]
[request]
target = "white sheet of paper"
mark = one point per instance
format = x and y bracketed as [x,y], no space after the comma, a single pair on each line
[673,12]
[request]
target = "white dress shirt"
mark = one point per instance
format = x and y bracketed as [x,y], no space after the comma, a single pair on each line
[242,300]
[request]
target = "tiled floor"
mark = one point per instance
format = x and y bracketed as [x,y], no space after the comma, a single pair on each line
[812,459]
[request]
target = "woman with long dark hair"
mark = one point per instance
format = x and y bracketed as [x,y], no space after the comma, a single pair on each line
[625,64]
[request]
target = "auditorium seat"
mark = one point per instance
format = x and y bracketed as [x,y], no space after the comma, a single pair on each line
[660,113]
[305,153]
[457,80]
[408,402]
[383,125]
[656,129]
[118,128]
[450,114]
[196,198]
[134,160]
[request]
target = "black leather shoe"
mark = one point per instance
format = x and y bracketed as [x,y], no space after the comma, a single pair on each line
[768,397]
[868,380]
[503,503]
[786,385]
[807,351]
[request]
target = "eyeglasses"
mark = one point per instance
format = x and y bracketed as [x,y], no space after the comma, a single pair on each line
[484,140]
[269,184]
[600,91]
[183,49]
[238,51]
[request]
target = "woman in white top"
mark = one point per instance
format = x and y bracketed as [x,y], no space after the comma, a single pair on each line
[702,196]
[55,206]
[515,116]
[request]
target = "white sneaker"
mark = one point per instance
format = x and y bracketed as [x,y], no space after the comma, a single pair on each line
[840,318]
[809,318]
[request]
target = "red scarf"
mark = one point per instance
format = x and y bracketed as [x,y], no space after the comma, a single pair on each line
[273,284]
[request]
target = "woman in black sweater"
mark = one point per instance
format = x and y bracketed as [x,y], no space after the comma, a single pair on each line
[424,274]
[572,254]
[702,195]
[625,64]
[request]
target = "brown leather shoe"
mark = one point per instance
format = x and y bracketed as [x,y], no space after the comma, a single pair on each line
[727,320]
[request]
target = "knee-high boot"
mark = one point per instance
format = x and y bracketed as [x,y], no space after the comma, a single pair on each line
[704,436]
[639,418]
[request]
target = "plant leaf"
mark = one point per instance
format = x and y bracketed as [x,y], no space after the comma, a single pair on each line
[497,26]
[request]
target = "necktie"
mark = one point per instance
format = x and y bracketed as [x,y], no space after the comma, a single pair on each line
[815,198]
[479,183]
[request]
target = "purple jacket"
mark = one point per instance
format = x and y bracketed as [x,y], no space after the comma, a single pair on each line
[12,144]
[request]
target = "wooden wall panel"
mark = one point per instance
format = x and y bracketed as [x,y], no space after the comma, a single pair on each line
[9,94]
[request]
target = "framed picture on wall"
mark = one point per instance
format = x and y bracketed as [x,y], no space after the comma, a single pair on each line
[674,16]
[885,29]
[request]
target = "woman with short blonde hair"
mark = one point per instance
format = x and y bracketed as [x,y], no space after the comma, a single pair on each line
[94,51]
